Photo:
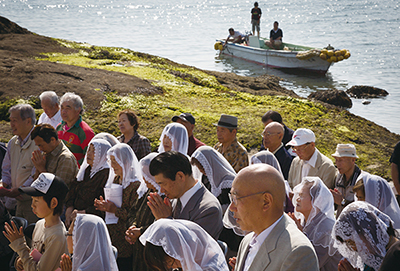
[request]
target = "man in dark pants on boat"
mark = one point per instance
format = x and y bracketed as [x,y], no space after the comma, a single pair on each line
[235,36]
[255,19]
[275,37]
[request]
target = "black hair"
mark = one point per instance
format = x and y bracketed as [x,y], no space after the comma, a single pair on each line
[272,115]
[45,131]
[169,163]
[132,117]
[231,29]
[60,196]
[256,4]
[154,257]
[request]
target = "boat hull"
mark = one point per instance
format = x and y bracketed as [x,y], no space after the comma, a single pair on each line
[276,58]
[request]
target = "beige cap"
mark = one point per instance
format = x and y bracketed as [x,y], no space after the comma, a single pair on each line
[345,150]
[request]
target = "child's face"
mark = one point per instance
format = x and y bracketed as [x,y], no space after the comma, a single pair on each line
[40,207]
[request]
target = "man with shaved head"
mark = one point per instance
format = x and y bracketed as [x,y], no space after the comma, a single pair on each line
[272,140]
[257,201]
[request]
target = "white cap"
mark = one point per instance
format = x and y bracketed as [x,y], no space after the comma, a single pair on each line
[345,150]
[301,137]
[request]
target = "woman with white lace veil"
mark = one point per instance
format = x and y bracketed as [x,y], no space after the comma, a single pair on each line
[127,174]
[181,244]
[267,157]
[144,217]
[107,137]
[90,181]
[376,191]
[314,215]
[362,234]
[174,137]
[89,242]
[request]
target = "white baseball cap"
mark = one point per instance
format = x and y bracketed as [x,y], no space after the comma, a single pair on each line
[301,137]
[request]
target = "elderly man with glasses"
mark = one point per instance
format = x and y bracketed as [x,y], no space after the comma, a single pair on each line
[274,241]
[309,161]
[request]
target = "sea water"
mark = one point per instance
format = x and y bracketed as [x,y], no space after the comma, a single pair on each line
[185,32]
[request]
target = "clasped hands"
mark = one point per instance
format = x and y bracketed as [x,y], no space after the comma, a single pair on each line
[161,208]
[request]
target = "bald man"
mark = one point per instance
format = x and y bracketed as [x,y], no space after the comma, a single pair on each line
[258,196]
[272,140]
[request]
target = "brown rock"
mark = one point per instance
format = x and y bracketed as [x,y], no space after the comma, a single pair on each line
[333,97]
[364,92]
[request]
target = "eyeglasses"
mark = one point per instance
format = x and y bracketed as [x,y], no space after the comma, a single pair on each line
[268,134]
[233,197]
[300,148]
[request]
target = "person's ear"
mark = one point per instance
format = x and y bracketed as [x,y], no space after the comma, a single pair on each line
[53,203]
[267,201]
[180,176]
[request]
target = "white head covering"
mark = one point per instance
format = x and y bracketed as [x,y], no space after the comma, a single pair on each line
[100,158]
[219,171]
[267,157]
[367,227]
[187,242]
[177,133]
[230,223]
[321,219]
[144,166]
[379,194]
[92,245]
[126,158]
[108,137]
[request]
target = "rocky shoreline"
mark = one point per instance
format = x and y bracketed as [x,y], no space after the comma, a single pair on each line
[108,78]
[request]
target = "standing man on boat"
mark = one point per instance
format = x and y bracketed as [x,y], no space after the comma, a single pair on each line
[235,37]
[275,37]
[255,19]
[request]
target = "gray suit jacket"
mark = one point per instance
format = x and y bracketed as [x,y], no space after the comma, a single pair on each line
[285,248]
[204,209]
[324,168]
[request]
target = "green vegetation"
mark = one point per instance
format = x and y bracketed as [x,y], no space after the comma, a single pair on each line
[186,89]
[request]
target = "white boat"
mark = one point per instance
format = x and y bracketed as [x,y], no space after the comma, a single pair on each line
[291,57]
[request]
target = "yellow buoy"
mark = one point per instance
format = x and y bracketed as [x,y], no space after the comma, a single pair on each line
[333,59]
[323,56]
[347,55]
[217,45]
[344,51]
[330,53]
[338,53]
[324,51]
[340,58]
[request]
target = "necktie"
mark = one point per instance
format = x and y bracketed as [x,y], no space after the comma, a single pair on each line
[178,209]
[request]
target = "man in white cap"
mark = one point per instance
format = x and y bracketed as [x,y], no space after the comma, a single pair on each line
[228,145]
[345,160]
[309,161]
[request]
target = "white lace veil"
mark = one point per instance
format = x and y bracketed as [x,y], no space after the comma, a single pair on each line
[177,133]
[144,166]
[107,137]
[379,194]
[367,227]
[321,218]
[267,157]
[218,170]
[100,158]
[187,242]
[126,158]
[230,223]
[92,245]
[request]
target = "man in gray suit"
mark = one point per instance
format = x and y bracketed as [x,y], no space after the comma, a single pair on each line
[192,201]
[258,196]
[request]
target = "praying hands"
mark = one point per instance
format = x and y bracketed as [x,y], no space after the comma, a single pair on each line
[159,207]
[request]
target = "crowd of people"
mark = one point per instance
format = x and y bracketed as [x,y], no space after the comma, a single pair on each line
[100,202]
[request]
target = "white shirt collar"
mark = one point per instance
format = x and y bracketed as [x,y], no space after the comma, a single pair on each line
[313,159]
[255,244]
[277,149]
[188,194]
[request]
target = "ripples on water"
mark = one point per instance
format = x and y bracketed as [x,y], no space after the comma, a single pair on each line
[185,32]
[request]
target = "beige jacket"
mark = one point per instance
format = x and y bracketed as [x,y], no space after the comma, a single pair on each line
[324,168]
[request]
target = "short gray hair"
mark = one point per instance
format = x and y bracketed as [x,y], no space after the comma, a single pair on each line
[74,98]
[51,96]
[25,111]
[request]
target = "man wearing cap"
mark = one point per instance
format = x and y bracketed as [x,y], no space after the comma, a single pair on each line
[228,145]
[187,120]
[272,141]
[309,161]
[345,160]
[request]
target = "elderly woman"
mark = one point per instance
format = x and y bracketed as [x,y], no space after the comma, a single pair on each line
[181,245]
[107,137]
[90,181]
[174,137]
[128,175]
[144,217]
[89,241]
[314,215]
[128,123]
[363,234]
[376,191]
